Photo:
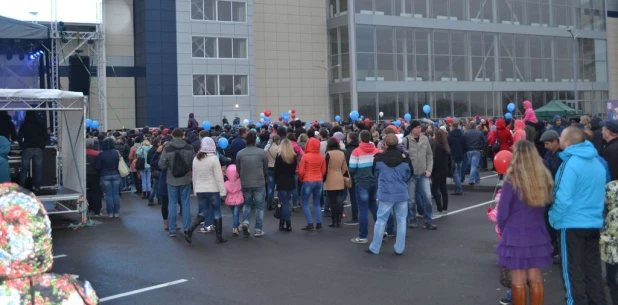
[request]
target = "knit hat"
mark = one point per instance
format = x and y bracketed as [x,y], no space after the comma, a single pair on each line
[208,145]
[90,143]
[338,135]
[414,124]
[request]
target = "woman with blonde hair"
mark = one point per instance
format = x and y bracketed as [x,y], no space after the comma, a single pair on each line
[284,171]
[271,152]
[525,247]
[585,120]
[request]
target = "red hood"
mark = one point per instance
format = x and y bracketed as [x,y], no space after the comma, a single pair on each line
[313,146]
[500,124]
[368,148]
[519,125]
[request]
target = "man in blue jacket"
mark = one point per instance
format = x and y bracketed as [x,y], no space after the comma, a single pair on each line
[577,212]
[456,142]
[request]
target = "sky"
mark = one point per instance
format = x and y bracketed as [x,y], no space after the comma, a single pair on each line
[73,11]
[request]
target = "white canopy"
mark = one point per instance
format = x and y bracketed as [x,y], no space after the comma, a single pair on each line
[16,29]
[40,94]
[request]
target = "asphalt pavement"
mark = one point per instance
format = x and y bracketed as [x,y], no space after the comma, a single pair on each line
[131,260]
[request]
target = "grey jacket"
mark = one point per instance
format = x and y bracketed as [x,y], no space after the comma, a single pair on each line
[420,153]
[167,161]
[252,167]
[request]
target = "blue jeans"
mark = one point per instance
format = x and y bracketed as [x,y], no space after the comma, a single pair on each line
[474,156]
[457,171]
[298,192]
[182,192]
[271,185]
[284,196]
[145,176]
[313,188]
[423,185]
[111,187]
[155,191]
[384,212]
[235,211]
[126,181]
[36,155]
[254,198]
[210,205]
[366,200]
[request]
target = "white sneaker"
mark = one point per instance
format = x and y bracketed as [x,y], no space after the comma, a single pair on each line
[258,234]
[358,240]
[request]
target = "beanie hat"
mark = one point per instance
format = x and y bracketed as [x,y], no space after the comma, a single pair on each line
[208,145]
[338,136]
[90,143]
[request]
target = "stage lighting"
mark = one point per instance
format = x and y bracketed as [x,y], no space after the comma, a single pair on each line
[40,53]
[30,57]
[9,56]
[22,56]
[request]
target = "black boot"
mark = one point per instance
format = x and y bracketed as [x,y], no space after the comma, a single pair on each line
[340,215]
[194,225]
[219,231]
[309,227]
[269,203]
[334,215]
[144,194]
[281,228]
[288,226]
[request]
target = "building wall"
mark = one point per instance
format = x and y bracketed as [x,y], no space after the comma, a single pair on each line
[612,47]
[291,57]
[210,101]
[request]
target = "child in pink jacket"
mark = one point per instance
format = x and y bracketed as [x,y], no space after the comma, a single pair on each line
[529,115]
[234,196]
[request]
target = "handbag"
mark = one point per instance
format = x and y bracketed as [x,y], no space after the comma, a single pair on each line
[347,180]
[496,147]
[123,169]
[277,204]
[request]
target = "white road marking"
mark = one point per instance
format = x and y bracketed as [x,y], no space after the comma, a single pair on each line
[113,297]
[489,176]
[465,209]
[60,256]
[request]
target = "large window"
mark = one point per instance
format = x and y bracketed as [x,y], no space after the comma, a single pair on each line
[220,85]
[365,47]
[337,8]
[211,47]
[219,10]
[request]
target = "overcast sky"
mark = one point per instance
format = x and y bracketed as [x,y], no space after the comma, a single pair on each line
[80,11]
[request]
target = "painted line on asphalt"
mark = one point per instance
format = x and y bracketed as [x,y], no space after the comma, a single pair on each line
[489,176]
[465,209]
[122,295]
[60,256]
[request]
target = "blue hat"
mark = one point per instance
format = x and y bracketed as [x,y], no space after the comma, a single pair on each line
[612,125]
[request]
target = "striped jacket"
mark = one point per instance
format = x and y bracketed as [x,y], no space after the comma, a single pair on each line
[361,164]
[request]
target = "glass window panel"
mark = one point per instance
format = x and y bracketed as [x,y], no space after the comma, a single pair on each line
[343,6]
[599,20]
[547,52]
[560,15]
[211,85]
[504,10]
[410,66]
[538,99]
[401,67]
[536,71]
[225,47]
[488,42]
[488,11]
[197,9]
[478,69]
[521,45]
[334,73]
[422,66]
[534,13]
[403,106]
[536,47]
[545,13]
[458,43]
[506,65]
[210,47]
[547,69]
[460,70]
[345,40]
[442,68]
[398,7]
[367,104]
[385,39]
[224,10]
[522,69]
[441,42]
[490,104]
[589,71]
[600,50]
[332,8]
[403,45]
[442,106]
[490,69]
[388,105]
[345,66]
[386,67]
[421,41]
[384,6]
[476,9]
[335,104]
[564,70]
[363,5]
[226,85]
[506,45]
[199,85]
[461,105]
[240,48]
[477,103]
[209,10]
[197,46]
[439,8]
[347,105]
[239,13]
[518,12]
[420,7]
[334,45]
[456,9]
[365,40]
[476,44]
[601,71]
[563,48]
[365,63]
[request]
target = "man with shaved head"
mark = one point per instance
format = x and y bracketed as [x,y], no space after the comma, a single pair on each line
[577,213]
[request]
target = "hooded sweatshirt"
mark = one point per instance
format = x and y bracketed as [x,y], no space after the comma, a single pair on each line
[520,132]
[166,161]
[192,123]
[392,170]
[579,190]
[361,164]
[529,115]
[609,233]
[312,167]
[5,149]
[504,136]
[555,128]
[233,188]
[27,244]
[107,161]
[143,152]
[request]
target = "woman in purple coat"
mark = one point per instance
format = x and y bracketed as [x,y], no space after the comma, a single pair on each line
[525,247]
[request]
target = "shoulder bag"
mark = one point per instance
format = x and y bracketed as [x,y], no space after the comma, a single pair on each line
[122,167]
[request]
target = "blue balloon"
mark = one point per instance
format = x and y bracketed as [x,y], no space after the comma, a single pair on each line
[266,119]
[321,122]
[206,125]
[407,117]
[223,143]
[436,124]
[510,107]
[337,119]
[88,123]
[397,123]
[362,117]
[94,125]
[354,115]
[426,109]
[258,125]
[508,116]
[250,122]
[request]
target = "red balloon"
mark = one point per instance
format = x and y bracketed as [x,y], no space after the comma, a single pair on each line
[293,115]
[367,121]
[293,111]
[502,161]
[449,120]
[280,118]
[267,113]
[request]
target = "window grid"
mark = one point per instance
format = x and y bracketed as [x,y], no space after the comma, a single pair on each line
[199,8]
[201,50]
[220,85]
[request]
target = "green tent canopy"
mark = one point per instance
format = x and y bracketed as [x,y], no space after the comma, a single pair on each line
[555,108]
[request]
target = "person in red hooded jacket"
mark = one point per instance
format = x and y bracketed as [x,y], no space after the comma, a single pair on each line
[311,173]
[503,136]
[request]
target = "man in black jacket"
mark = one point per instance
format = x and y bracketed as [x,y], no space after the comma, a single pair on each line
[474,142]
[456,143]
[33,138]
[7,129]
[610,151]
[353,144]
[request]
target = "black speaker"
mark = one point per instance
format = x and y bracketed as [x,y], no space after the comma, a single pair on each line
[79,75]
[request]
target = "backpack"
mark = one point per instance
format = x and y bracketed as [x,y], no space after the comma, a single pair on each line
[181,168]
